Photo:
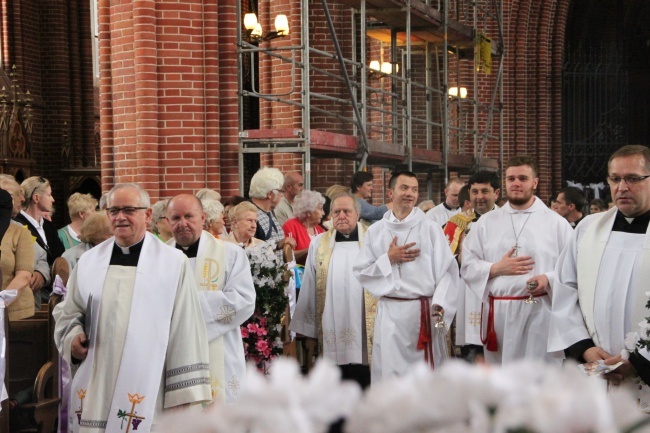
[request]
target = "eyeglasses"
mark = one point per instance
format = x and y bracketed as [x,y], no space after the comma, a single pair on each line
[630,180]
[40,181]
[127,210]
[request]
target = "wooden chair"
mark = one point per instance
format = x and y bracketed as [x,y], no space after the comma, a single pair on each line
[32,361]
[61,268]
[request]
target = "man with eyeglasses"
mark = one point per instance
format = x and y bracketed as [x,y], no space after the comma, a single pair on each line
[226,292]
[603,275]
[132,323]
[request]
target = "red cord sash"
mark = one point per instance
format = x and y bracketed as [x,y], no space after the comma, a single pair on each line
[425,339]
[490,341]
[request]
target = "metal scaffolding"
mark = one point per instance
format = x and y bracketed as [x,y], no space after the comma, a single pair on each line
[397,112]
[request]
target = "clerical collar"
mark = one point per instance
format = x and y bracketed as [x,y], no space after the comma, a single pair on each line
[574,224]
[190,251]
[352,237]
[126,256]
[638,225]
[444,203]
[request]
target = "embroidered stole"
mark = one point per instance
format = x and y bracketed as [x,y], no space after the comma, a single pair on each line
[145,346]
[590,253]
[323,257]
[209,272]
[456,226]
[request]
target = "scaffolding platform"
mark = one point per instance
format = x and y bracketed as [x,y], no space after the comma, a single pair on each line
[426,23]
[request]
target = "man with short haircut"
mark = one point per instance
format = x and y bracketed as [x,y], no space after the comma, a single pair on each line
[406,262]
[484,192]
[132,323]
[265,194]
[450,206]
[603,273]
[333,307]
[570,204]
[509,259]
[293,185]
[226,292]
[361,187]
[80,206]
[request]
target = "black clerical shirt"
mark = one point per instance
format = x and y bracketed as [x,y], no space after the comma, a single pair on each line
[190,251]
[126,256]
[352,237]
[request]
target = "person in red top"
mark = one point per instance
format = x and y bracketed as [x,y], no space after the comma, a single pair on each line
[308,211]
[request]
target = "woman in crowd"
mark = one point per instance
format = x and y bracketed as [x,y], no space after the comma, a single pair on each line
[17,260]
[95,230]
[80,206]
[597,205]
[243,222]
[159,223]
[308,211]
[228,204]
[214,223]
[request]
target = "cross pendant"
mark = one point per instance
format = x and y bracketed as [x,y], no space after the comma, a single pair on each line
[516,252]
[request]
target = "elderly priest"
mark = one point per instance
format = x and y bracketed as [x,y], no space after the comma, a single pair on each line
[132,324]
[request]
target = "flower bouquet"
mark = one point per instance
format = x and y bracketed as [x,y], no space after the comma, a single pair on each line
[261,333]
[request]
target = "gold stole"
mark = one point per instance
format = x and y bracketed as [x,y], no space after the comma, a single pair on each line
[456,226]
[210,271]
[323,256]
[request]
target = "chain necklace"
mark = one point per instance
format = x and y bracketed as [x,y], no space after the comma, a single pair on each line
[516,246]
[399,265]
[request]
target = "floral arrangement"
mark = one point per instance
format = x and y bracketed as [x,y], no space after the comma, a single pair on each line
[635,341]
[458,397]
[261,333]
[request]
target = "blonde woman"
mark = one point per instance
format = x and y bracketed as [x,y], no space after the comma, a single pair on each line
[80,206]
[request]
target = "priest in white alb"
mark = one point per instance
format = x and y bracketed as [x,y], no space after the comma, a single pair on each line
[333,307]
[132,324]
[226,293]
[509,260]
[604,274]
[406,262]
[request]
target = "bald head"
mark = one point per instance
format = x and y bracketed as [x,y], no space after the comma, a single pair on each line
[186,216]
[451,192]
[293,185]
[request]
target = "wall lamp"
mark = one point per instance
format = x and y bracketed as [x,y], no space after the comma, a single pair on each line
[254,28]
[454,92]
[379,69]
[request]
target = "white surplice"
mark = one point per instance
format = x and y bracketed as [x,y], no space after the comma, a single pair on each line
[434,274]
[125,292]
[521,328]
[602,277]
[343,314]
[619,291]
[440,214]
[226,310]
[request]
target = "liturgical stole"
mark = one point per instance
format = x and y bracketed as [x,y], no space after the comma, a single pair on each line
[323,256]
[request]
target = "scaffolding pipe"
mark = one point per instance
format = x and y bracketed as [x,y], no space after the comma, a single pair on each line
[344,71]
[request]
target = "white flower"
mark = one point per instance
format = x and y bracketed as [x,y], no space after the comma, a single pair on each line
[631,339]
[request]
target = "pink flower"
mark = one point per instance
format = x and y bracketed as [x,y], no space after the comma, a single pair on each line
[263,321]
[253,328]
[244,333]
[261,345]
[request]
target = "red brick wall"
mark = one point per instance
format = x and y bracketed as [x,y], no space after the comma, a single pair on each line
[49,41]
[169,104]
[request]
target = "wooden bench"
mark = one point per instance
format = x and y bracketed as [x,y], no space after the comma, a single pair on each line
[32,362]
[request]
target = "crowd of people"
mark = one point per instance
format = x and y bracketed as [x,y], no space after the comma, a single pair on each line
[494,270]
